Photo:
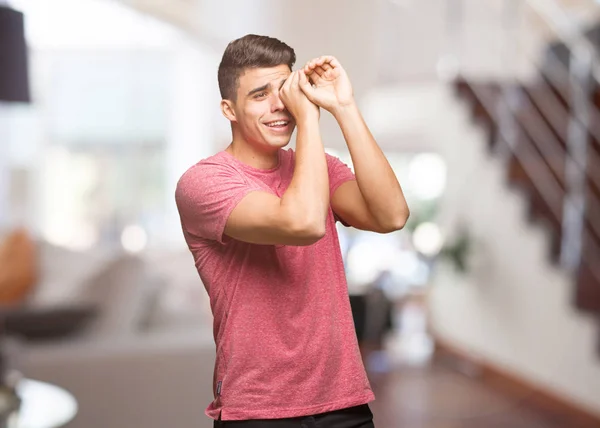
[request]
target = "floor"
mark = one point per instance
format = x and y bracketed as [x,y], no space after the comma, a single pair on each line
[434,396]
[414,392]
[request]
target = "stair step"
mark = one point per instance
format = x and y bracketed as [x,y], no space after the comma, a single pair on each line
[482,97]
[587,291]
[556,121]
[540,151]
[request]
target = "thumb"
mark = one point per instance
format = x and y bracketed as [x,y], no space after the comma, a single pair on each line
[306,86]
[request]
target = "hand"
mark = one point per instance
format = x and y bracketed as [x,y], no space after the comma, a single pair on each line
[294,98]
[332,88]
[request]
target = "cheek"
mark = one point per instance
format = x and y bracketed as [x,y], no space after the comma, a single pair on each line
[254,114]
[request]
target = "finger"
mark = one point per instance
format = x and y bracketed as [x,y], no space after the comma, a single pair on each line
[326,66]
[294,81]
[319,70]
[306,87]
[312,77]
[287,83]
[329,71]
[296,78]
[328,59]
[309,68]
[309,73]
[315,62]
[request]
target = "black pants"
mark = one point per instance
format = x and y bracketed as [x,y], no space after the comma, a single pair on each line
[352,417]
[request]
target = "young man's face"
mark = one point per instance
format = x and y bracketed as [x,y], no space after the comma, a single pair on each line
[260,116]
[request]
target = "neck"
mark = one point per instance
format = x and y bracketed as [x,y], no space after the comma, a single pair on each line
[252,156]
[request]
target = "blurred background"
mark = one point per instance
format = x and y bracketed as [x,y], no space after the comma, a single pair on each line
[482,312]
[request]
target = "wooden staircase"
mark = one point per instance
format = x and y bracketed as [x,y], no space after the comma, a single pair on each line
[536,157]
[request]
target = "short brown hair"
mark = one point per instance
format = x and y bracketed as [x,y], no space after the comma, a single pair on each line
[250,51]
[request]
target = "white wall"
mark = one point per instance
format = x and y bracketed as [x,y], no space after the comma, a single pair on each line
[514,308]
[19,145]
[193,131]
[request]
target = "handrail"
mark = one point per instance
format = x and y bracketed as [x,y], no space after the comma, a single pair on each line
[582,76]
[538,132]
[559,67]
[569,162]
[548,104]
[544,181]
[569,34]
[542,144]
[548,186]
[553,110]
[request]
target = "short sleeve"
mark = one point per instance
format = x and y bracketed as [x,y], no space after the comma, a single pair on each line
[339,173]
[206,195]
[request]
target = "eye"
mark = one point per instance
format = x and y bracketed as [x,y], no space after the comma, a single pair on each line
[260,95]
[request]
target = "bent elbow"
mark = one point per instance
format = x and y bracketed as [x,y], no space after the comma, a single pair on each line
[315,232]
[309,232]
[396,223]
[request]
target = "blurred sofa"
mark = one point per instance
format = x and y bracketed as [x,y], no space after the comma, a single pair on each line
[147,357]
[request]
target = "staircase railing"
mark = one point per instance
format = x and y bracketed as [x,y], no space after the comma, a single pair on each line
[574,83]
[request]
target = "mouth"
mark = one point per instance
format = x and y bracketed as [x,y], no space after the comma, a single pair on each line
[279,125]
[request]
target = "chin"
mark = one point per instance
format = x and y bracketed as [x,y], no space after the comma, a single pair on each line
[284,142]
[279,138]
[278,143]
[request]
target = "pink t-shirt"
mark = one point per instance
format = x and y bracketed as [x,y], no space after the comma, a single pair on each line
[285,339]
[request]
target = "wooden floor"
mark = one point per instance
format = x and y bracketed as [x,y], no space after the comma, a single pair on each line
[413,391]
[434,396]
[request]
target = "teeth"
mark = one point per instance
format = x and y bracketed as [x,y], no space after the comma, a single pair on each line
[278,123]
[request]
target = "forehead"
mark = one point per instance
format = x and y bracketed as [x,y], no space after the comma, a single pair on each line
[255,77]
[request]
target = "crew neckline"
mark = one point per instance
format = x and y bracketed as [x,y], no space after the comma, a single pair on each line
[250,167]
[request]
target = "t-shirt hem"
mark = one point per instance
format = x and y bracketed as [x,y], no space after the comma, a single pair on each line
[240,414]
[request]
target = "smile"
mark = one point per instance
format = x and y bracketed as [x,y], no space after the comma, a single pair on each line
[278,124]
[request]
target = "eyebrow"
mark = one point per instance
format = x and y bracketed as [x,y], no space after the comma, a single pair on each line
[264,88]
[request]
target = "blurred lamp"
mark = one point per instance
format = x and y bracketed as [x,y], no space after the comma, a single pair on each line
[427,239]
[134,238]
[427,175]
[14,77]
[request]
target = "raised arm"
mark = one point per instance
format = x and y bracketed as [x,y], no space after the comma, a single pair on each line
[298,217]
[374,201]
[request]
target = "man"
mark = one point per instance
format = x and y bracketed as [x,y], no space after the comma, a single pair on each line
[260,223]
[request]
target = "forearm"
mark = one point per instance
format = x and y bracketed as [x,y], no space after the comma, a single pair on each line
[307,197]
[375,177]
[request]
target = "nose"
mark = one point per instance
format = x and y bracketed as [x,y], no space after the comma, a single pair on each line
[277,103]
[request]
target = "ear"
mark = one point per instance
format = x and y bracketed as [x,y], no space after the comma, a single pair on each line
[228,110]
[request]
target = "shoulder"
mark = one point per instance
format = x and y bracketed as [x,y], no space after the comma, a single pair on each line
[207,172]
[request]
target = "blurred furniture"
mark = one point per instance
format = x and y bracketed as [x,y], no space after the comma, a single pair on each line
[147,358]
[372,313]
[43,405]
[18,270]
[14,76]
